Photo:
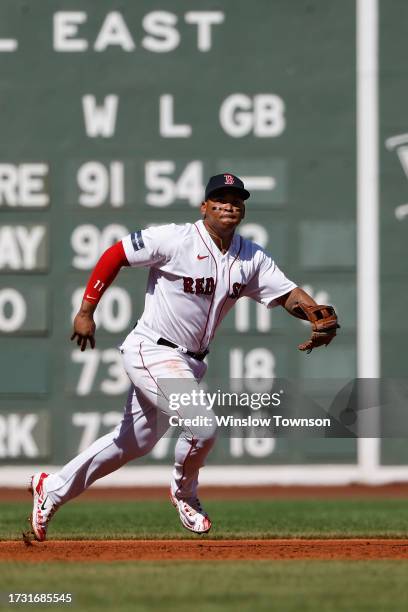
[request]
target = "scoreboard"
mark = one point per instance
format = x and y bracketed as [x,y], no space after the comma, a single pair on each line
[393,92]
[112,117]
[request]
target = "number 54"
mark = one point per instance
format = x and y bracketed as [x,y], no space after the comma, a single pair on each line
[163,189]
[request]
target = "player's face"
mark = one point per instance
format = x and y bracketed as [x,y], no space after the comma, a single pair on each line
[224,209]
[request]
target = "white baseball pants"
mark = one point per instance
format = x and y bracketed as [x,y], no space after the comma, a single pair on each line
[145,421]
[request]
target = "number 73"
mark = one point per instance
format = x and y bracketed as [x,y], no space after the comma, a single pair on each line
[116,381]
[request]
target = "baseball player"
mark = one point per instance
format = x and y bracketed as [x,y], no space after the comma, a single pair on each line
[197,273]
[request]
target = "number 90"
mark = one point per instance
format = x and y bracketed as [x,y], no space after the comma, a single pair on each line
[88,242]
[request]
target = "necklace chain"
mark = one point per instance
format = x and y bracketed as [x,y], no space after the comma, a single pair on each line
[214,235]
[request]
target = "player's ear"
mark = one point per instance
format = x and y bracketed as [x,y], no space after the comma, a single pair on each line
[203,208]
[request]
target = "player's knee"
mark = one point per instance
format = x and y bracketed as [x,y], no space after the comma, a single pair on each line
[134,450]
[145,446]
[206,437]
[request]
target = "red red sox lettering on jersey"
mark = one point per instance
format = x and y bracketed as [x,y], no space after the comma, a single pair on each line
[206,286]
[192,285]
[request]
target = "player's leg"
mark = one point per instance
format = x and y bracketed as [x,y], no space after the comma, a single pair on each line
[192,447]
[175,375]
[189,456]
[141,427]
[174,372]
[191,451]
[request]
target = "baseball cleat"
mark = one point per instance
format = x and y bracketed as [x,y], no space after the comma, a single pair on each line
[43,508]
[191,513]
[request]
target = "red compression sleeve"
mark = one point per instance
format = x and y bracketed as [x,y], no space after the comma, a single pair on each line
[104,272]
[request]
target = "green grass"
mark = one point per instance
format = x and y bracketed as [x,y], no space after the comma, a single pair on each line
[290,586]
[231,519]
[224,586]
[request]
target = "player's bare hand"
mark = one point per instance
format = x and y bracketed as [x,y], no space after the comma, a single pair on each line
[84,331]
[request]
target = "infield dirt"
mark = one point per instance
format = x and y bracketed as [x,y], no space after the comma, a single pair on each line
[152,550]
[390,491]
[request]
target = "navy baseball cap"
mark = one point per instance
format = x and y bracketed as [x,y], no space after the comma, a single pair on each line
[226,181]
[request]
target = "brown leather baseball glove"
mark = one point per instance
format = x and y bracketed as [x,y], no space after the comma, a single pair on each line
[324,325]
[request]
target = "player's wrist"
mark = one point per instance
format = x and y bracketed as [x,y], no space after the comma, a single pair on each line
[86,309]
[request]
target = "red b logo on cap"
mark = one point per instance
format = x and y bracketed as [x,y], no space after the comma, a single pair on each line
[229,180]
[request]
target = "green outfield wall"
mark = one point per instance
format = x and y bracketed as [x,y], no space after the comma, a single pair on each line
[112,117]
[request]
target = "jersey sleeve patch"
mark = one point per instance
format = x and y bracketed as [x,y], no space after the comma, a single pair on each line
[137,240]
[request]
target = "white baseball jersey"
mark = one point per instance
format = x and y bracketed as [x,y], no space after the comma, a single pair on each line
[191,288]
[192,285]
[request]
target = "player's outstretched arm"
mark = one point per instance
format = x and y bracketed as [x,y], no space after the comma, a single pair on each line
[102,276]
[323,318]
